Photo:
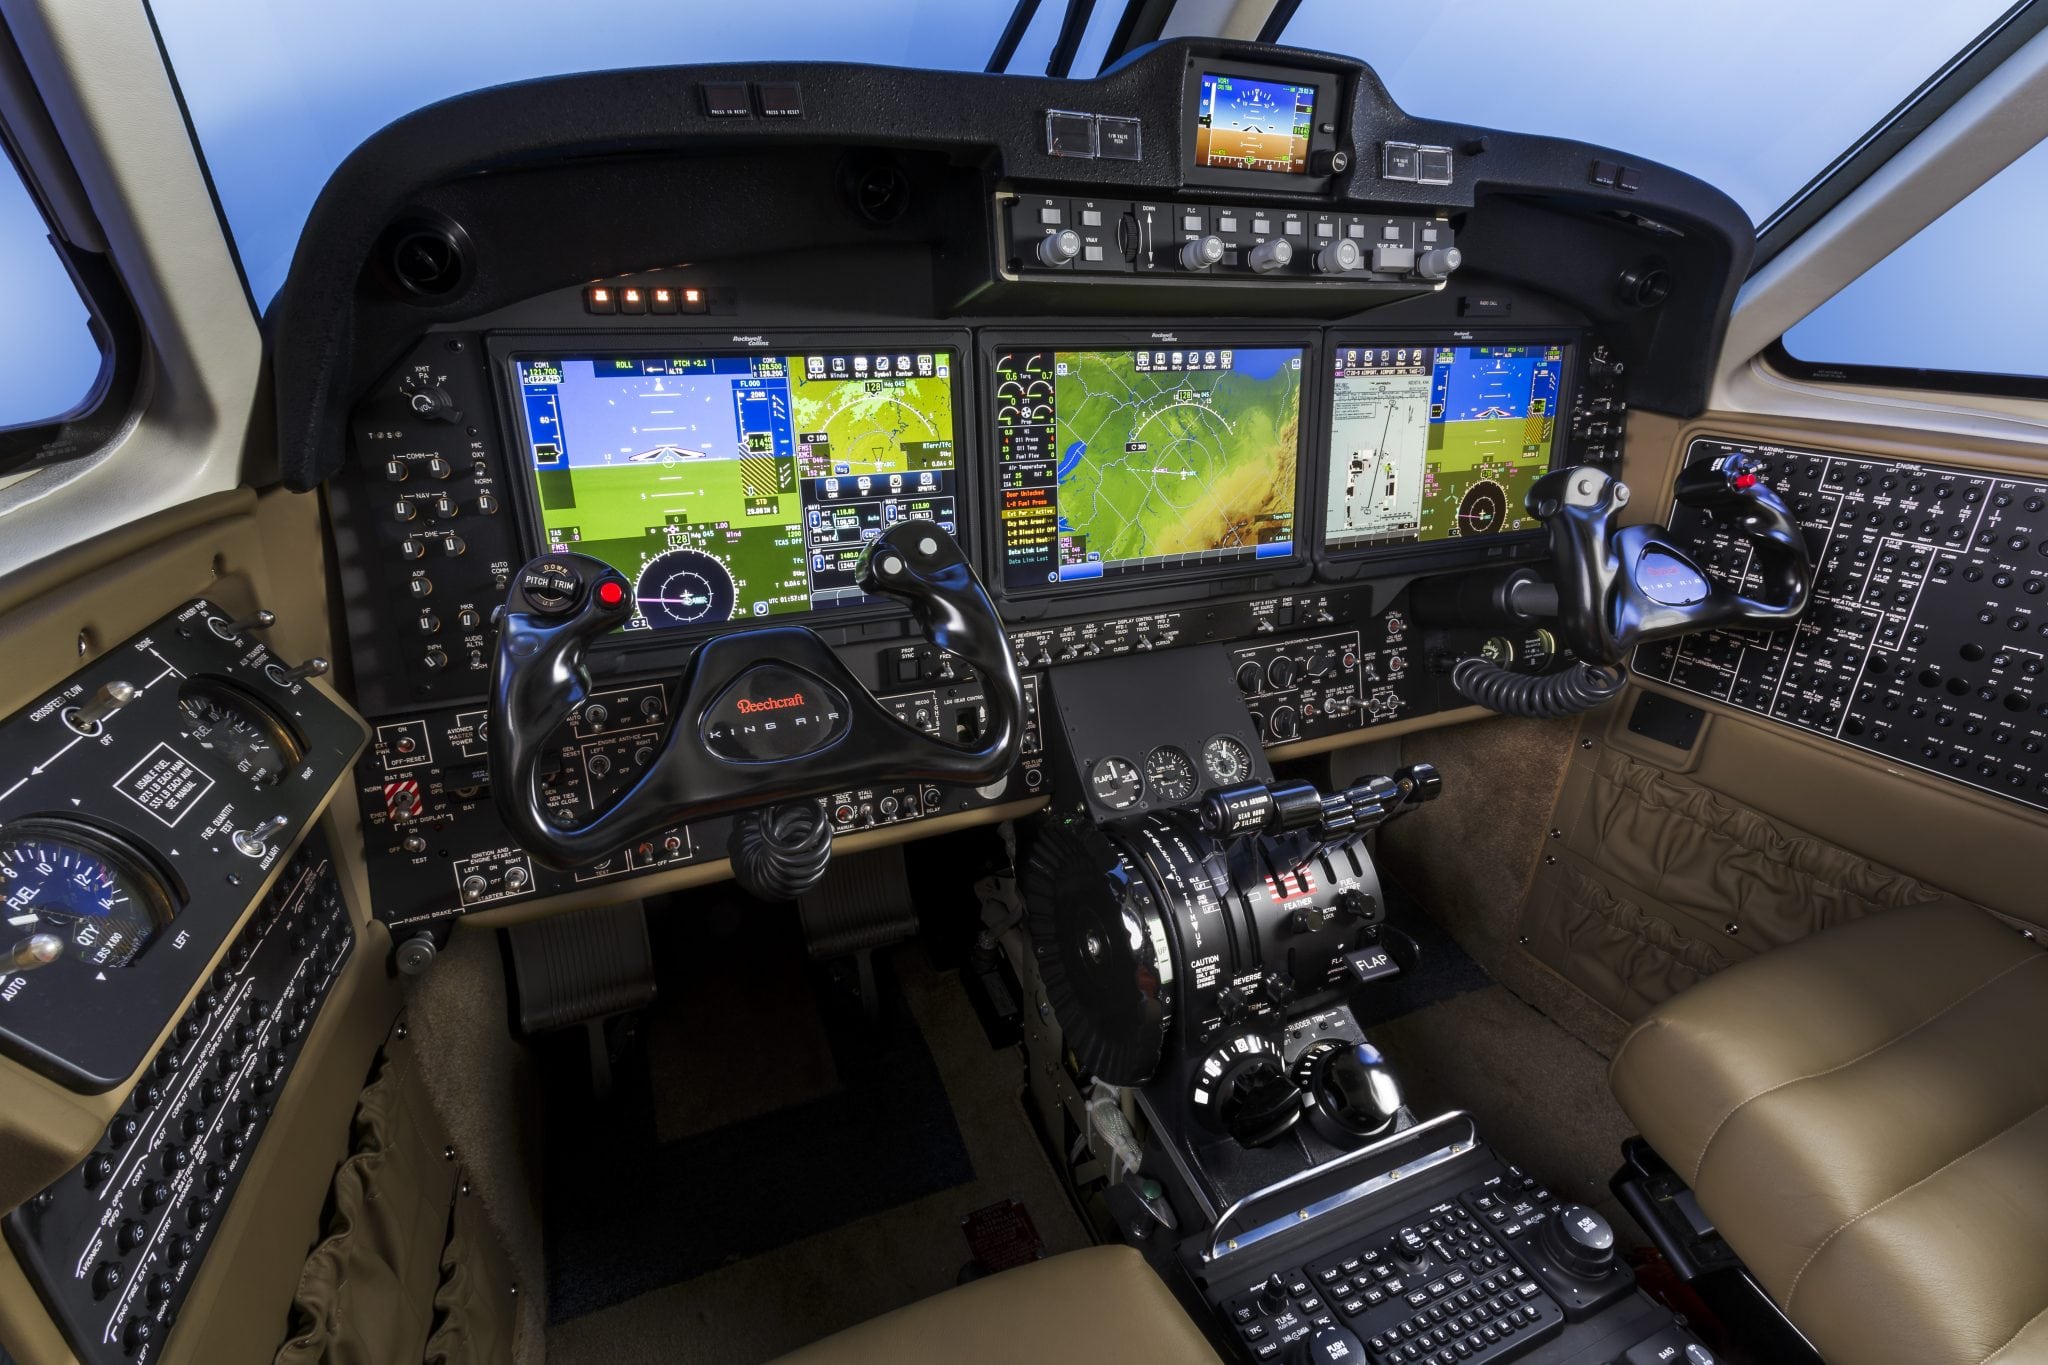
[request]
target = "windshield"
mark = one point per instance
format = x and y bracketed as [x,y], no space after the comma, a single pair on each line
[1754,96]
[279,94]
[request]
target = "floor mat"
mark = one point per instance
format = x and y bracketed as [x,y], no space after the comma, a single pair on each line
[764,1304]
[642,1190]
[1442,970]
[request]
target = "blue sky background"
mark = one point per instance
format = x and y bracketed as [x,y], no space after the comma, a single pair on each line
[48,360]
[1950,298]
[1765,93]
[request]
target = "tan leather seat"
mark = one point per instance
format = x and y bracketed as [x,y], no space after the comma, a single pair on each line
[1100,1305]
[1864,1115]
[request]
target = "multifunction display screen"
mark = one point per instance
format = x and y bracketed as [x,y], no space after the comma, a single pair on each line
[1115,462]
[733,487]
[1248,125]
[1432,443]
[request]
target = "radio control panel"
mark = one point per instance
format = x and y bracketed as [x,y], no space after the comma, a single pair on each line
[425,537]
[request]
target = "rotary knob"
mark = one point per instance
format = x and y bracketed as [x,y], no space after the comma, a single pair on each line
[1352,1094]
[1438,263]
[1056,249]
[1202,252]
[1259,1103]
[1250,677]
[1340,257]
[1270,257]
[1361,906]
[1328,1346]
[1242,1089]
[1579,1240]
[431,403]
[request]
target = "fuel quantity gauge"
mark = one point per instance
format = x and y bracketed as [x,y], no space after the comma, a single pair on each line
[91,891]
[229,723]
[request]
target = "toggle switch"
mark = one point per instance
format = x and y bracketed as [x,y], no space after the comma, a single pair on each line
[110,698]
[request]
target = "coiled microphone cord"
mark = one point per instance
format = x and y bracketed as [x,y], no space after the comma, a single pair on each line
[781,854]
[1545,696]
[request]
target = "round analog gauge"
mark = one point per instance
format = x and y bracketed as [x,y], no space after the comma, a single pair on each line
[233,725]
[1227,760]
[66,881]
[1116,782]
[1171,773]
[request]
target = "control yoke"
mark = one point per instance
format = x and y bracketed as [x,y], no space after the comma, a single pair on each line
[762,716]
[1619,587]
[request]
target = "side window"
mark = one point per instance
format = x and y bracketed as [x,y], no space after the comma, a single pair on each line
[1952,307]
[49,354]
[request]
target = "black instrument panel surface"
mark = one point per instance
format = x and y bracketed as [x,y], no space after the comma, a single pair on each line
[1928,634]
[115,1244]
[184,799]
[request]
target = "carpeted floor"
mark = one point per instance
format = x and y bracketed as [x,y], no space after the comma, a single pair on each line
[1468,856]
[752,1303]
[1539,1094]
[1441,970]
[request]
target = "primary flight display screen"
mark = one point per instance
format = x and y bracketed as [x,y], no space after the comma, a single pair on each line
[731,487]
[1433,443]
[1115,462]
[1243,124]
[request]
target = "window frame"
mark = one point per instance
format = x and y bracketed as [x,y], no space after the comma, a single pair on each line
[1941,92]
[92,423]
[1905,377]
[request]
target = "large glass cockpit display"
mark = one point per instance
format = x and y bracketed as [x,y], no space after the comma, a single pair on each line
[1435,443]
[733,487]
[1112,463]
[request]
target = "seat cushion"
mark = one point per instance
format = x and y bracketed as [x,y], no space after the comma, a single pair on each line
[1103,1305]
[1864,1115]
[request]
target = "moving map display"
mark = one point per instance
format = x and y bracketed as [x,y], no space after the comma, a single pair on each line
[1116,462]
[1243,124]
[1432,443]
[736,486]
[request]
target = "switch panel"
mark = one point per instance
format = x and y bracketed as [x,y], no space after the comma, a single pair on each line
[1928,634]
[114,1245]
[424,535]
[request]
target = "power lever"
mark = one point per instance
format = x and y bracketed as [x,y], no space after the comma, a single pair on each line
[1256,808]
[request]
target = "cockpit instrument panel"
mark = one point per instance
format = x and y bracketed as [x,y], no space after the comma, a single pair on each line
[1114,462]
[736,487]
